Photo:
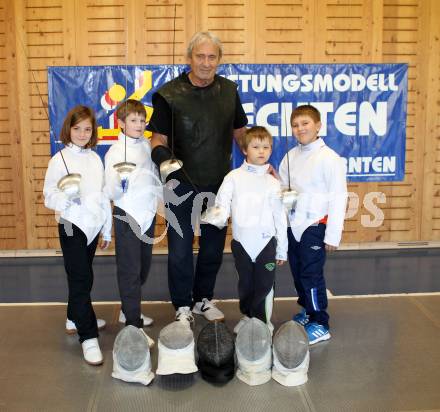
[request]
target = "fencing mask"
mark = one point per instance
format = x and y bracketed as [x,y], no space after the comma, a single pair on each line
[131,356]
[176,350]
[215,347]
[290,355]
[253,350]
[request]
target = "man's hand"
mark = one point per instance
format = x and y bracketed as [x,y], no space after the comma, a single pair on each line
[158,139]
[280,262]
[272,171]
[238,134]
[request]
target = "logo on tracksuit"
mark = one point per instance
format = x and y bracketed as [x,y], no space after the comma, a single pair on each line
[270,266]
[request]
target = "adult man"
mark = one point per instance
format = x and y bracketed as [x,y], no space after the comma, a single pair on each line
[196,116]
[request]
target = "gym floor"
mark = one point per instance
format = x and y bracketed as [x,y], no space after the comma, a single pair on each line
[384,354]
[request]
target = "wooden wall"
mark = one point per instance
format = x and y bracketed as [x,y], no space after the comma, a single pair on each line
[38,33]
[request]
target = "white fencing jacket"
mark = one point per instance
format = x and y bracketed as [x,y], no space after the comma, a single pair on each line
[317,173]
[144,187]
[93,214]
[251,197]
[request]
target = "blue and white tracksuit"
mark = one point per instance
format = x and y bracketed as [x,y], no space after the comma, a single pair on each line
[317,173]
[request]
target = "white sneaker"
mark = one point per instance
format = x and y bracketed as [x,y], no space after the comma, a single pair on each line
[208,309]
[147,321]
[184,314]
[92,352]
[71,327]
[241,323]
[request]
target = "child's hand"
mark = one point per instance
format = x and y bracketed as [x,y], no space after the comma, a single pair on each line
[271,170]
[330,248]
[63,203]
[280,262]
[118,182]
[117,190]
[104,244]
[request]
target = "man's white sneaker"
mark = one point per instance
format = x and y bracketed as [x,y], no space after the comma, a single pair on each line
[71,327]
[241,323]
[147,321]
[208,309]
[184,314]
[92,352]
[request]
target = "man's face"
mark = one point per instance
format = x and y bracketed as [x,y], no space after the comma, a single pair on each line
[204,61]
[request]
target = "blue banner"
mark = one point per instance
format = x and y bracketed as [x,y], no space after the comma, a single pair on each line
[363,106]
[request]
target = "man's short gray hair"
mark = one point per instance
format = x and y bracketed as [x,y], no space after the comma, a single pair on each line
[201,37]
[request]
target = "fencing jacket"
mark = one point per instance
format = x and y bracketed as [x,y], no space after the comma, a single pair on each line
[93,214]
[144,187]
[317,173]
[203,122]
[251,196]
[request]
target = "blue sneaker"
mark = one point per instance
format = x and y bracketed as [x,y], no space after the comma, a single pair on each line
[316,333]
[302,318]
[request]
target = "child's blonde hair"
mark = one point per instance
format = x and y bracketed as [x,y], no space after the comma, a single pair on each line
[306,110]
[255,132]
[76,115]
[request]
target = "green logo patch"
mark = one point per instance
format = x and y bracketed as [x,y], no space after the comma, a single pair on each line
[270,266]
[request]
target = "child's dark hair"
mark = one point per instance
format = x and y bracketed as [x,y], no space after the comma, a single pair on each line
[306,110]
[255,132]
[128,107]
[76,115]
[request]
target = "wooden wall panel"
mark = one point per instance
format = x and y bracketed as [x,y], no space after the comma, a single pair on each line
[343,32]
[430,208]
[6,217]
[166,28]
[15,228]
[401,22]
[232,21]
[284,31]
[45,41]
[101,28]
[38,33]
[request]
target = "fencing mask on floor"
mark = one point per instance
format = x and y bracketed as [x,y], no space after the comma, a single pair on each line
[176,350]
[131,356]
[290,355]
[253,350]
[215,348]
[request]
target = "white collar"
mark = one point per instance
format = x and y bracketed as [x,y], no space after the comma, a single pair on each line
[131,141]
[77,149]
[257,169]
[317,144]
